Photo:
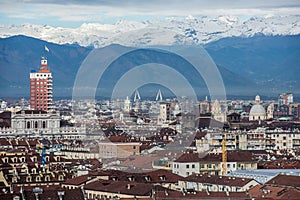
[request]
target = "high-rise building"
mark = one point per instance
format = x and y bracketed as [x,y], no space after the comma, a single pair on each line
[165,112]
[285,99]
[41,87]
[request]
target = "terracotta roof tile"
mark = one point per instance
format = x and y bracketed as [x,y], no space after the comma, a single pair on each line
[121,187]
[79,180]
[220,180]
[174,195]
[285,181]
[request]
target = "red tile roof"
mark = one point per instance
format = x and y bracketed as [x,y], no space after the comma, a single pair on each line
[285,181]
[79,180]
[174,195]
[141,162]
[232,156]
[219,180]
[189,157]
[74,194]
[267,192]
[156,176]
[121,187]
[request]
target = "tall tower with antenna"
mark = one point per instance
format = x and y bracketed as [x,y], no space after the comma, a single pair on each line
[41,87]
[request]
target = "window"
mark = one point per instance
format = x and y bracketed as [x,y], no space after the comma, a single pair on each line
[187,166]
[35,124]
[44,124]
[193,166]
[201,165]
[284,144]
[28,179]
[28,125]
[208,165]
[61,178]
[134,147]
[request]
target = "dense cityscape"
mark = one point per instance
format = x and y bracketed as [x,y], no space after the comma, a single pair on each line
[131,148]
[149,100]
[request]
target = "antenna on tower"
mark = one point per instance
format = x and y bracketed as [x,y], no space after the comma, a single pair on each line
[136,96]
[159,96]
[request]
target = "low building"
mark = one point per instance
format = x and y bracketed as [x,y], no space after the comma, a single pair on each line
[29,121]
[187,164]
[211,163]
[280,139]
[179,195]
[118,149]
[104,189]
[213,183]
[281,187]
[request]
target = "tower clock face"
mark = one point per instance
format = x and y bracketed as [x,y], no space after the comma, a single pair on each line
[44,61]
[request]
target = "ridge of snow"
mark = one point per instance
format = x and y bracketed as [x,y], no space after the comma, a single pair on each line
[169,31]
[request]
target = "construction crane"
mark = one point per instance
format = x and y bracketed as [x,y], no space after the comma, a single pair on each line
[43,146]
[224,156]
[223,143]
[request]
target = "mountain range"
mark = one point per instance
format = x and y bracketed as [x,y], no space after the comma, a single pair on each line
[259,55]
[255,65]
[170,31]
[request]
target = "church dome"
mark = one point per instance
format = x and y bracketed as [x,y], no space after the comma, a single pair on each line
[257,111]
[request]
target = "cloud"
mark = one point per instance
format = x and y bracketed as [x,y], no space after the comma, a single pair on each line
[102,10]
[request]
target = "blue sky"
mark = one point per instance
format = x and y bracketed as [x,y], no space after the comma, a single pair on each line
[73,13]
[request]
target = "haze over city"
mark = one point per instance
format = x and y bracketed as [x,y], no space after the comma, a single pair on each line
[149,100]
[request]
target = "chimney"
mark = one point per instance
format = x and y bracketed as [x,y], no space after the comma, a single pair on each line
[36,191]
[166,193]
[61,194]
[207,192]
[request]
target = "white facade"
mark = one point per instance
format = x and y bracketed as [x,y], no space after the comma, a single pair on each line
[222,184]
[30,123]
[164,112]
[35,120]
[185,169]
[279,139]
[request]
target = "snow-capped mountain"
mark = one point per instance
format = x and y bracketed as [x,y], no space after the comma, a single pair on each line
[171,31]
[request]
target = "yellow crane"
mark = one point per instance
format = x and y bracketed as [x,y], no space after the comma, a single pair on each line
[224,156]
[224,152]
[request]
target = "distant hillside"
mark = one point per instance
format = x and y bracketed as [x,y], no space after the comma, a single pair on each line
[20,54]
[272,62]
[260,64]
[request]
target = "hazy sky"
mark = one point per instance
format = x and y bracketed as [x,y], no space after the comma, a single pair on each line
[75,12]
